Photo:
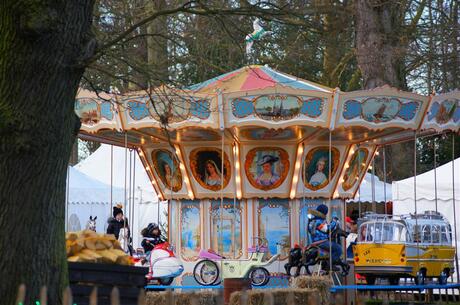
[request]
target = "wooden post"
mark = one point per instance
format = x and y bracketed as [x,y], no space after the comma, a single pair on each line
[93,297]
[141,297]
[43,296]
[67,297]
[21,295]
[115,296]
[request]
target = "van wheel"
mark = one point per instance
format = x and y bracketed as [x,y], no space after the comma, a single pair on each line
[370,280]
[420,278]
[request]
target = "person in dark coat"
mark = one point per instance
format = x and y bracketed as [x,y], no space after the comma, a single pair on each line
[117,222]
[151,237]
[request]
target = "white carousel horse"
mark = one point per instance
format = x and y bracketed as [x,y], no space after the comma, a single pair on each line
[259,33]
[91,224]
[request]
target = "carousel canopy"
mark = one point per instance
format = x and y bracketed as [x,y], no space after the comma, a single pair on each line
[281,136]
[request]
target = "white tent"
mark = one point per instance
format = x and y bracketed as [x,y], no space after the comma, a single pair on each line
[88,197]
[403,193]
[425,191]
[84,188]
[98,166]
[382,190]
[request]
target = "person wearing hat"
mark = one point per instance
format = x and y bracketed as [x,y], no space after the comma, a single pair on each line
[117,222]
[319,230]
[152,237]
[267,177]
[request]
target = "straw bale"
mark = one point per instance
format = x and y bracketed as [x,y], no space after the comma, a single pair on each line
[284,296]
[321,283]
[183,298]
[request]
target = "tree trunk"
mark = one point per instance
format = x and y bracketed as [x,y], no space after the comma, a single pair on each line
[41,44]
[380,52]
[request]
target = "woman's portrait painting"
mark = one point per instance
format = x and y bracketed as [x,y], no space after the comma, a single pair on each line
[317,167]
[206,165]
[355,169]
[266,167]
[166,167]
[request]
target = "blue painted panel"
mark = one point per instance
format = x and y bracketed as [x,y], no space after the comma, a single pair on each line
[106,110]
[351,109]
[138,110]
[408,111]
[241,108]
[312,107]
[200,109]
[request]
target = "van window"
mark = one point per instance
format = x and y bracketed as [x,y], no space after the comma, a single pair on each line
[426,234]
[445,235]
[435,234]
[382,232]
[365,233]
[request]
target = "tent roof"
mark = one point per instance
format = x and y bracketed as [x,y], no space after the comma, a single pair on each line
[365,190]
[404,189]
[84,188]
[98,166]
[255,77]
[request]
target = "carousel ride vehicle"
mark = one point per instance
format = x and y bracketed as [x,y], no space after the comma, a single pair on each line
[163,264]
[317,260]
[418,246]
[248,153]
[207,271]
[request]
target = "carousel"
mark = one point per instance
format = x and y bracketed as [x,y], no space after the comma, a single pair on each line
[247,153]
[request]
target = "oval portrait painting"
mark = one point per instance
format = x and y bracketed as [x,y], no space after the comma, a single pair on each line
[206,166]
[167,169]
[266,167]
[317,167]
[355,169]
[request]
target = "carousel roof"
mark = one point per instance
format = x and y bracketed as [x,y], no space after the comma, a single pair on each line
[255,77]
[257,111]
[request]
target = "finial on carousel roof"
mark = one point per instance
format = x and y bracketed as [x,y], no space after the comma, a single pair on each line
[258,33]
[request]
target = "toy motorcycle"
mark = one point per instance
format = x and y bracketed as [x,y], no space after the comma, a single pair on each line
[163,264]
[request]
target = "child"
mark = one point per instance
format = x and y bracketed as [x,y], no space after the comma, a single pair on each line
[152,237]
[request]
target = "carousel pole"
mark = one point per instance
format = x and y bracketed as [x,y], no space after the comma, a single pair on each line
[234,208]
[385,178]
[359,185]
[305,241]
[128,207]
[171,184]
[330,202]
[374,205]
[453,204]
[435,176]
[126,164]
[126,179]
[222,177]
[111,179]
[417,229]
[222,191]
[133,188]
